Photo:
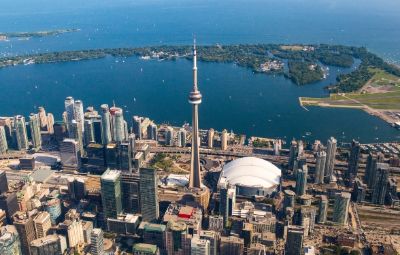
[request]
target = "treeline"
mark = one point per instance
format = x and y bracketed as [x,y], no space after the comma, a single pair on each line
[300,58]
[302,72]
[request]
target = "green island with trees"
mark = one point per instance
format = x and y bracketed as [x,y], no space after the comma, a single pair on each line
[37,34]
[305,62]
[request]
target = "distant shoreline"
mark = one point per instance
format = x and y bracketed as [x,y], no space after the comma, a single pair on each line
[21,35]
[306,64]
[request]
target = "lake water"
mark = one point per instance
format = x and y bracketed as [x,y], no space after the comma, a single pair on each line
[234,97]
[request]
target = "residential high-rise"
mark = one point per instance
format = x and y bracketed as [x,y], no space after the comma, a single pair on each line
[137,127]
[26,231]
[294,240]
[320,166]
[20,133]
[42,224]
[96,242]
[370,169]
[301,181]
[53,207]
[9,241]
[381,183]
[35,131]
[199,246]
[3,182]
[330,158]
[292,154]
[323,209]
[117,124]
[181,137]
[231,245]
[341,207]
[70,155]
[3,140]
[106,124]
[148,194]
[50,123]
[224,140]
[213,237]
[78,114]
[152,132]
[49,245]
[69,104]
[227,198]
[353,160]
[9,203]
[42,118]
[177,238]
[195,100]
[75,132]
[89,132]
[169,136]
[210,138]
[111,193]
[73,231]
[289,198]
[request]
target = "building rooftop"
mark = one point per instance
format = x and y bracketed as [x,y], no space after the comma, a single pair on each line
[145,248]
[110,175]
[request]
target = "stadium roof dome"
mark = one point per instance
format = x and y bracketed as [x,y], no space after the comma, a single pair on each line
[252,172]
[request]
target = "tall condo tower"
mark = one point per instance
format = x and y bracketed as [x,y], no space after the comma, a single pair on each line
[195,100]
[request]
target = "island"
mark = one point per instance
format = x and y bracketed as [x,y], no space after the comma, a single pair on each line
[23,35]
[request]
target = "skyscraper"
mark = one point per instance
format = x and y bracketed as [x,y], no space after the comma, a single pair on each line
[320,166]
[169,136]
[292,154]
[137,127]
[26,231]
[70,155]
[177,238]
[34,124]
[199,246]
[3,141]
[111,193]
[49,245]
[20,132]
[96,242]
[106,124]
[152,132]
[181,137]
[323,209]
[330,158]
[9,241]
[301,181]
[341,207]
[381,183]
[353,160]
[130,192]
[42,224]
[195,100]
[148,194]
[232,245]
[78,114]
[3,182]
[210,138]
[69,104]
[224,140]
[294,240]
[117,123]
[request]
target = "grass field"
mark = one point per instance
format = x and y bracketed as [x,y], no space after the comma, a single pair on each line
[292,47]
[382,78]
[381,92]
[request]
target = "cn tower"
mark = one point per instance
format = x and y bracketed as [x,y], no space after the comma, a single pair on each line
[195,100]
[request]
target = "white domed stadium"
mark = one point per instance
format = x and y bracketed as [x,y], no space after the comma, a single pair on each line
[251,176]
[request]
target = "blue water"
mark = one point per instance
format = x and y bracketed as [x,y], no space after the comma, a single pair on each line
[234,98]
